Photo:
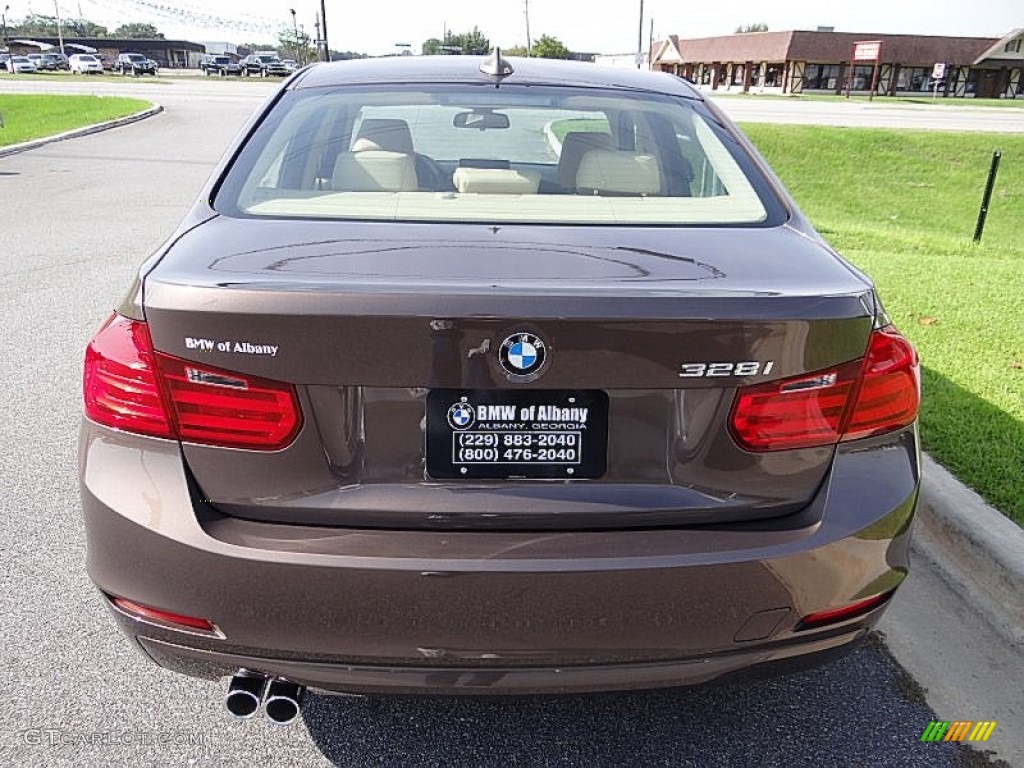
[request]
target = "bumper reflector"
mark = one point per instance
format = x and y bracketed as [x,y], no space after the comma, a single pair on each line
[836,615]
[139,611]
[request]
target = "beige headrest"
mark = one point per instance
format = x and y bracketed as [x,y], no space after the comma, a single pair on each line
[496,181]
[375,171]
[620,173]
[574,146]
[383,133]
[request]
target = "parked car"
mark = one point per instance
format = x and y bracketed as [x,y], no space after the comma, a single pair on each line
[107,61]
[154,64]
[41,64]
[422,398]
[290,65]
[134,64]
[55,61]
[220,65]
[22,65]
[263,64]
[85,64]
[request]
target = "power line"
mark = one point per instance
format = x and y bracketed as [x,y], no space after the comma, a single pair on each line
[191,17]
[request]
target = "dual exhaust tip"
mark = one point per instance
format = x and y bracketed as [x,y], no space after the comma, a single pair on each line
[280,698]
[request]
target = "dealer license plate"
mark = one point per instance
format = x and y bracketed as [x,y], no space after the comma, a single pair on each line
[528,433]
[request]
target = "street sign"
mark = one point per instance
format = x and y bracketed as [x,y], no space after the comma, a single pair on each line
[939,70]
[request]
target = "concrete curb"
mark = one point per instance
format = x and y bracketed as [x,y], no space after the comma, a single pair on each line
[978,551]
[84,131]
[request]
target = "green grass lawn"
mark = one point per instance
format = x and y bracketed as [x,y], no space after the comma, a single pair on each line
[561,127]
[902,206]
[30,116]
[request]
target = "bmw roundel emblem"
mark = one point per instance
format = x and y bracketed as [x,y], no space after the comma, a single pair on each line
[522,354]
[460,415]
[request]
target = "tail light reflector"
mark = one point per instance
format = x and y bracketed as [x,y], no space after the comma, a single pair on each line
[130,387]
[866,397]
[836,615]
[165,617]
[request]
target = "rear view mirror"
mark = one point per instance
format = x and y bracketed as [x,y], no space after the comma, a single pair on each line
[481,120]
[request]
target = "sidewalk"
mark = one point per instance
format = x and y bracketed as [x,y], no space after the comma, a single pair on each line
[957,624]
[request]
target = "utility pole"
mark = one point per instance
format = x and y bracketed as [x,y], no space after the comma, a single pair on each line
[295,26]
[60,33]
[529,42]
[650,47]
[323,30]
[640,39]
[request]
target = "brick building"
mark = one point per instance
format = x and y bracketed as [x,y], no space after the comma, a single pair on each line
[798,61]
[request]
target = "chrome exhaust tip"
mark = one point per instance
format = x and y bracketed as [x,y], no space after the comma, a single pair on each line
[245,694]
[282,703]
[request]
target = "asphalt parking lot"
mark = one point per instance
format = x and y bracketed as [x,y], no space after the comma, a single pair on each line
[76,218]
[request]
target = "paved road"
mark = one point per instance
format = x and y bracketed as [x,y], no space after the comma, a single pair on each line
[75,693]
[880,114]
[859,114]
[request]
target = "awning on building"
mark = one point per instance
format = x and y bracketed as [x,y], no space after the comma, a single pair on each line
[35,44]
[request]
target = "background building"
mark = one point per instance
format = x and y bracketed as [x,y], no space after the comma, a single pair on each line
[166,53]
[797,61]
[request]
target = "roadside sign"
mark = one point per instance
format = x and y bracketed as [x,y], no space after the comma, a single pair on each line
[939,70]
[865,50]
[870,50]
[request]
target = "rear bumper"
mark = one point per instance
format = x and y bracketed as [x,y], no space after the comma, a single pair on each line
[497,680]
[494,612]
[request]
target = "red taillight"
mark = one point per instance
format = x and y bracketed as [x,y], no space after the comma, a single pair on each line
[836,615]
[877,394]
[164,617]
[890,389]
[119,384]
[218,407]
[128,386]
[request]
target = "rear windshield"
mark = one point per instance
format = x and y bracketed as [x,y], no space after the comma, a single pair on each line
[527,154]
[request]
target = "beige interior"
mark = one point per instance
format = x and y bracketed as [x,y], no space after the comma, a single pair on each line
[497,181]
[618,173]
[375,170]
[574,146]
[389,134]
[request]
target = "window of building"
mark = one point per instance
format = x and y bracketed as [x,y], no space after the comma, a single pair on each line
[914,79]
[821,77]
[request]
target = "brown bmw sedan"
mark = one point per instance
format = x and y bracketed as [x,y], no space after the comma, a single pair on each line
[497,376]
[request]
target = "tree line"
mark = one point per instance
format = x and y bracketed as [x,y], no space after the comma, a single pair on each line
[39,25]
[476,43]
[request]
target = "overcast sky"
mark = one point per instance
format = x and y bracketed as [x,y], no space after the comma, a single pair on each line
[584,25]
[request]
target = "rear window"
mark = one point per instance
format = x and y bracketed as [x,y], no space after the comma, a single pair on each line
[526,154]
